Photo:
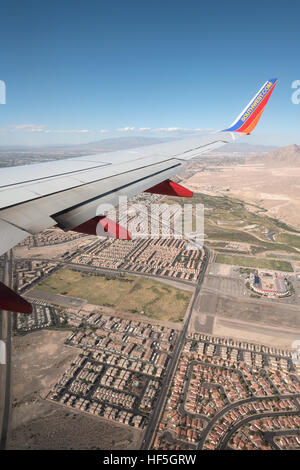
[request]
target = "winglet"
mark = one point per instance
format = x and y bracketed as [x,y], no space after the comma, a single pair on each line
[249,117]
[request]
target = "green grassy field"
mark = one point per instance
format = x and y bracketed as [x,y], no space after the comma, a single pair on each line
[278,256]
[289,239]
[275,265]
[228,218]
[130,294]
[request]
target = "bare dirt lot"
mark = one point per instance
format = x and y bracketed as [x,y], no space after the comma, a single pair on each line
[39,359]
[246,320]
[59,428]
[51,251]
[233,286]
[201,323]
[256,333]
[250,310]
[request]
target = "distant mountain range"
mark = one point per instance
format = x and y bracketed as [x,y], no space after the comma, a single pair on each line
[104,145]
[246,149]
[122,143]
[283,156]
[262,154]
[119,143]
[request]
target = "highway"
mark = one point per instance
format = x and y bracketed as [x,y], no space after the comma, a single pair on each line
[5,370]
[155,416]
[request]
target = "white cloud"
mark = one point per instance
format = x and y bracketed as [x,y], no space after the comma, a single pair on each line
[37,129]
[27,127]
[169,129]
[204,129]
[126,129]
[181,130]
[174,129]
[41,128]
[68,131]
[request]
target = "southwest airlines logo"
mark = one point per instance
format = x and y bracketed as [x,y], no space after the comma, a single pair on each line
[249,117]
[2,92]
[256,102]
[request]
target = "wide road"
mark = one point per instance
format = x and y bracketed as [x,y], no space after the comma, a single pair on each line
[243,401]
[5,369]
[155,416]
[101,269]
[227,436]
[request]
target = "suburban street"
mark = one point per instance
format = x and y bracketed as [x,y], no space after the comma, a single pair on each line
[154,418]
[240,423]
[227,437]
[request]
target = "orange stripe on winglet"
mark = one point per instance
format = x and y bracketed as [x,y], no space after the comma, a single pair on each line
[252,121]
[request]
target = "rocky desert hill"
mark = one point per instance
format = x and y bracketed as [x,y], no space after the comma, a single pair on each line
[281,157]
[271,181]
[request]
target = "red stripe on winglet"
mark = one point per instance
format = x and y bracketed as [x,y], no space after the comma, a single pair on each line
[260,107]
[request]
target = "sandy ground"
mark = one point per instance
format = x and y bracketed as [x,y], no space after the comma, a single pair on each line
[58,428]
[246,319]
[51,252]
[218,269]
[39,360]
[255,333]
[275,189]
[259,311]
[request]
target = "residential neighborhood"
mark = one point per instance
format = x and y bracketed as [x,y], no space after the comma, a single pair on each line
[117,374]
[231,395]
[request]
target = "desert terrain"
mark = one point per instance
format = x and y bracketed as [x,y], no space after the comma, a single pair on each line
[39,359]
[269,181]
[226,308]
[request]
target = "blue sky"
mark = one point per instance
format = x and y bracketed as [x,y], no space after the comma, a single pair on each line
[82,71]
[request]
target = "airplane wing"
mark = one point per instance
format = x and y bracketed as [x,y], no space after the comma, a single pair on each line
[68,192]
